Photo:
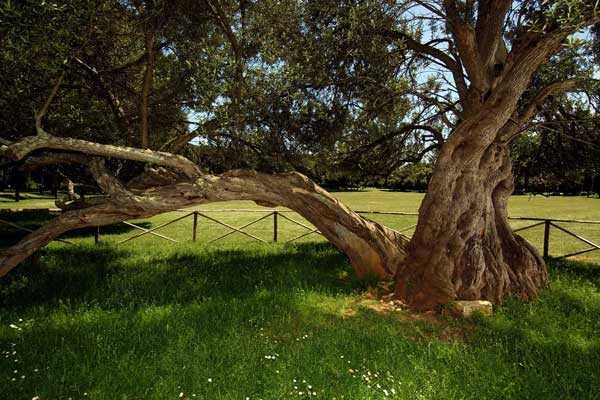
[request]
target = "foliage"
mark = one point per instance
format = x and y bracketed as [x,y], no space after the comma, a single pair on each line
[558,153]
[308,86]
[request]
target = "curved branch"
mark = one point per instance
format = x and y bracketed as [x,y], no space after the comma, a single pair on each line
[40,114]
[22,148]
[108,213]
[517,124]
[553,88]
[426,50]
[404,130]
[371,248]
[177,143]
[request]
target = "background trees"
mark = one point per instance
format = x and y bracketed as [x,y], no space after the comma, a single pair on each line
[329,89]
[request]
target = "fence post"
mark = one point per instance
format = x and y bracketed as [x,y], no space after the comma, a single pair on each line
[195,225]
[97,235]
[546,237]
[275,226]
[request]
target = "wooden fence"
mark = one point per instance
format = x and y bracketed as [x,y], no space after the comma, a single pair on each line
[276,215]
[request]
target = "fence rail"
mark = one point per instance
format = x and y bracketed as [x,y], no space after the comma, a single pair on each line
[308,229]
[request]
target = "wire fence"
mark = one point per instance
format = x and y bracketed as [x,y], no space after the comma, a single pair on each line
[275,217]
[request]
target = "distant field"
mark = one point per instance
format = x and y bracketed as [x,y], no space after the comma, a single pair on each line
[581,208]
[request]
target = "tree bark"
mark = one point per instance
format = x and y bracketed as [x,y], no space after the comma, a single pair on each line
[372,249]
[147,90]
[476,254]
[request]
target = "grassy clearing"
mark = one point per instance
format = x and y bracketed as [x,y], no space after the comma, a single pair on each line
[272,322]
[151,320]
[582,208]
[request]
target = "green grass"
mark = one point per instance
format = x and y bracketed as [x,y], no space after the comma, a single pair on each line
[151,320]
[119,323]
[582,208]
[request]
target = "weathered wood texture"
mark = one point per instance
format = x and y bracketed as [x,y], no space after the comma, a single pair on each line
[370,247]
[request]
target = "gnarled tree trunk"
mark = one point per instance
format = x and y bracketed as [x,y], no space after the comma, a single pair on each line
[476,254]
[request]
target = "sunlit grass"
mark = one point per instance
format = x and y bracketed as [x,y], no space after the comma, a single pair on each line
[272,322]
[581,208]
[237,319]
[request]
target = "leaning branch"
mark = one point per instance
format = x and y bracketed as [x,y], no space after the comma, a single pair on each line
[426,50]
[22,148]
[517,124]
[551,89]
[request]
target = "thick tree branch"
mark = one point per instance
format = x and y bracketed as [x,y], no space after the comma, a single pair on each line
[371,248]
[446,60]
[490,23]
[22,148]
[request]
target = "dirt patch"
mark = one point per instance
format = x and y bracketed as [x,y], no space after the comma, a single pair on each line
[420,326]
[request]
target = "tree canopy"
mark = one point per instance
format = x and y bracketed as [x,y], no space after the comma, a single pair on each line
[282,90]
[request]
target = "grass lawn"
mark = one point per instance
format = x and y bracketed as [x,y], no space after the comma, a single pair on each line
[272,322]
[237,320]
[581,208]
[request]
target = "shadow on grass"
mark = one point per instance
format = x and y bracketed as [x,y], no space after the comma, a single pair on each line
[584,270]
[126,316]
[10,235]
[10,198]
[114,276]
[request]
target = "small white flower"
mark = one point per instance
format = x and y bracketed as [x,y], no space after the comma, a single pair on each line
[181,395]
[209,380]
[35,398]
[385,392]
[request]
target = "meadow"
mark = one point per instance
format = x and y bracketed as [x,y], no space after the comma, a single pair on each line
[244,320]
[567,208]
